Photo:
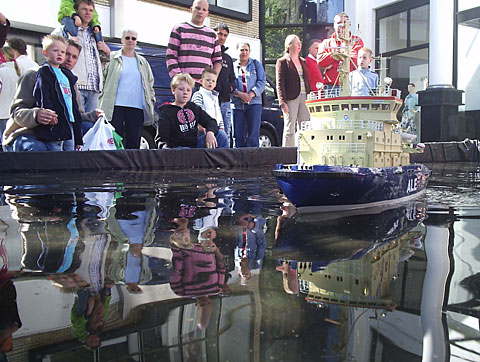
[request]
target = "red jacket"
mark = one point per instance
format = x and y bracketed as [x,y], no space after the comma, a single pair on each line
[314,73]
[325,58]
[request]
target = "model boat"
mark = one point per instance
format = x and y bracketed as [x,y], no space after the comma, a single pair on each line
[351,153]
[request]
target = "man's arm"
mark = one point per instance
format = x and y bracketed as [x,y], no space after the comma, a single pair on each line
[324,56]
[172,52]
[23,110]
[4,28]
[217,58]
[231,74]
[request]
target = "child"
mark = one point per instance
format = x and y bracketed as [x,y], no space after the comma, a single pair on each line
[363,82]
[54,90]
[71,20]
[178,121]
[207,98]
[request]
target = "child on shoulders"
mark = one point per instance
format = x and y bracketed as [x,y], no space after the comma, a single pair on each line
[363,82]
[179,120]
[70,20]
[54,89]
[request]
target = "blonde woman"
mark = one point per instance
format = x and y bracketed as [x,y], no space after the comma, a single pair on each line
[128,97]
[293,85]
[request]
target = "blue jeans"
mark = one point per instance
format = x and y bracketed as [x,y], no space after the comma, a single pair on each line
[226,110]
[221,137]
[247,119]
[30,143]
[70,28]
[89,99]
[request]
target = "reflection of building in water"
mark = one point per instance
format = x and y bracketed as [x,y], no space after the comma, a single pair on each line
[360,283]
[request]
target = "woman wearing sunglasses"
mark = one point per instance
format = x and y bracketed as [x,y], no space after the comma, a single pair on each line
[128,97]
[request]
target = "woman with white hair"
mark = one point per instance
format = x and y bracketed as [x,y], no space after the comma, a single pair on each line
[293,85]
[128,97]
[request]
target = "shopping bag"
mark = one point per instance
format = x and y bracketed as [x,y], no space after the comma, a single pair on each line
[100,136]
[118,140]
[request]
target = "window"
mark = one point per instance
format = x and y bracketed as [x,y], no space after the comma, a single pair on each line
[326,108]
[365,107]
[345,107]
[335,107]
[240,10]
[394,32]
[359,137]
[318,108]
[419,25]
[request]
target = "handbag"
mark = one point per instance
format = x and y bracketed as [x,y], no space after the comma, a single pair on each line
[101,137]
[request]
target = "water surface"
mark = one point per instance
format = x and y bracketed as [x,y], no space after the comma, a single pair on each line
[215,265]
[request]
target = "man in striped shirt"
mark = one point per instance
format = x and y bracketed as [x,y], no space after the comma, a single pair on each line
[192,46]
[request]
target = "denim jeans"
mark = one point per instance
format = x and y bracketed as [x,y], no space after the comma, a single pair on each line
[221,137]
[89,99]
[30,143]
[246,125]
[226,109]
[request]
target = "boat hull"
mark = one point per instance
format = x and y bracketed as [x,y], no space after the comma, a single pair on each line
[330,188]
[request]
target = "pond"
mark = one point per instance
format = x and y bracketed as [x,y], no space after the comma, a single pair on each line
[216,265]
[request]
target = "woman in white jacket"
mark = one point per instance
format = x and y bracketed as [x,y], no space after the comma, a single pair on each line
[9,73]
[128,97]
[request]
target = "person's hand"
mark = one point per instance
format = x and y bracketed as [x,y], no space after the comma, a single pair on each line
[244,97]
[210,140]
[284,108]
[3,19]
[99,113]
[103,47]
[74,38]
[96,29]
[77,20]
[47,117]
[79,148]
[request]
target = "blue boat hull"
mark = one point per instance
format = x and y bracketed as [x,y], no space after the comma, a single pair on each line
[337,187]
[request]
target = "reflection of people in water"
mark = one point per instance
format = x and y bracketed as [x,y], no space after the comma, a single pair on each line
[251,244]
[198,268]
[9,318]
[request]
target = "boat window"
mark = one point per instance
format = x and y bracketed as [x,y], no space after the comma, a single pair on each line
[335,107]
[375,107]
[359,137]
[326,108]
[385,107]
[365,107]
[312,109]
[355,107]
[345,107]
[318,108]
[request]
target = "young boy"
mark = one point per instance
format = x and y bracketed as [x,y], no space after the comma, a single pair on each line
[71,20]
[207,98]
[362,80]
[54,90]
[178,121]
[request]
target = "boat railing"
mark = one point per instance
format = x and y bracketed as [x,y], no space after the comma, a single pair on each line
[343,147]
[336,91]
[341,124]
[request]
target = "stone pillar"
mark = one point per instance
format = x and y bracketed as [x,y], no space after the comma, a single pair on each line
[440,101]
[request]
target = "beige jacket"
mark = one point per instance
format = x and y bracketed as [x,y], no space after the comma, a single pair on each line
[106,101]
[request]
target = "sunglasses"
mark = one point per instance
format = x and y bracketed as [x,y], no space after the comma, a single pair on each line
[131,37]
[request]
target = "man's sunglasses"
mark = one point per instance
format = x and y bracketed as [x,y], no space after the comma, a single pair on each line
[131,37]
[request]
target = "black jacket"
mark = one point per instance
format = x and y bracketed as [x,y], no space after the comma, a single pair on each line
[47,94]
[177,127]
[226,78]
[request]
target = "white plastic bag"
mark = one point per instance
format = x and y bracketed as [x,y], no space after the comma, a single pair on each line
[100,136]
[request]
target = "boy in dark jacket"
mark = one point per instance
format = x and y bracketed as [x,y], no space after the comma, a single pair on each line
[178,121]
[54,89]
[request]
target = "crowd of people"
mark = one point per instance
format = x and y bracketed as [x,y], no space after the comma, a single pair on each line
[51,107]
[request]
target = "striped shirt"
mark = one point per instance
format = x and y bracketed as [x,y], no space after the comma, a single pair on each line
[191,49]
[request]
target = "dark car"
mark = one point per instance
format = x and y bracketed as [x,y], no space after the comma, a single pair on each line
[271,130]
